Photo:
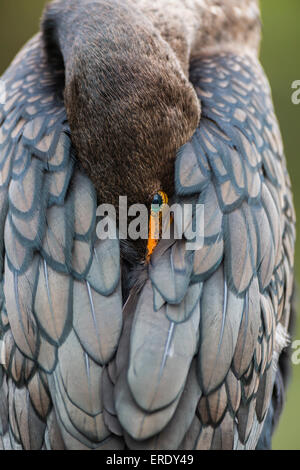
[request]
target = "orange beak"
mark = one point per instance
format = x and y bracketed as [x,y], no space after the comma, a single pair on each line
[155,225]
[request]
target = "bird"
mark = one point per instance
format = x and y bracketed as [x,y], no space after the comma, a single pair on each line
[118,343]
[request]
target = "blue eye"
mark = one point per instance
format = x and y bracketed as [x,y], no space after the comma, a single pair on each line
[157,199]
[156,203]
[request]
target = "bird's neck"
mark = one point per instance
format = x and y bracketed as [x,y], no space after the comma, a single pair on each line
[129,103]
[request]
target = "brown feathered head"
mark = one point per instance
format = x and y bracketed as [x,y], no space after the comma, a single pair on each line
[129,102]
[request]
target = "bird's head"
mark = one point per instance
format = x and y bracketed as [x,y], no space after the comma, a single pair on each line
[129,101]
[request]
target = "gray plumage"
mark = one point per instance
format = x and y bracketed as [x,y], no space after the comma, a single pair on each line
[188,361]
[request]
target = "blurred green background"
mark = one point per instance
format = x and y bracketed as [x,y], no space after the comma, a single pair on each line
[19,20]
